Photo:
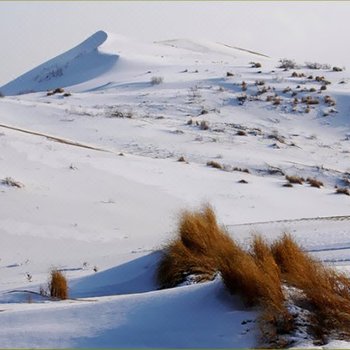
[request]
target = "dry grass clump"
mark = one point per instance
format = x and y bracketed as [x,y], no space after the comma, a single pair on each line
[316,65]
[195,251]
[310,100]
[297,75]
[337,69]
[259,82]
[202,248]
[276,101]
[286,63]
[242,170]
[314,182]
[342,190]
[327,292]
[156,80]
[204,125]
[9,181]
[329,100]
[58,286]
[255,64]
[179,262]
[241,133]
[295,179]
[214,164]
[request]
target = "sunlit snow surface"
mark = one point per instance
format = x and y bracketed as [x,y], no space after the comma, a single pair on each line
[83,209]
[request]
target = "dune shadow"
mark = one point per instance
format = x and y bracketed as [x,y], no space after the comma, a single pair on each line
[135,276]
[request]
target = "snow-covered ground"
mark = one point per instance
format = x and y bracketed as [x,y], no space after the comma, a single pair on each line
[103,186]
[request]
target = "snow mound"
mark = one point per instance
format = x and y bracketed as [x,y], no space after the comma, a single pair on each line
[80,64]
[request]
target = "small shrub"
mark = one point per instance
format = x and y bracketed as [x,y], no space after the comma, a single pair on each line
[58,91]
[242,181]
[255,65]
[287,184]
[1,94]
[297,75]
[242,170]
[287,89]
[343,190]
[204,125]
[259,82]
[214,164]
[116,113]
[181,159]
[323,87]
[156,80]
[319,78]
[316,65]
[295,179]
[337,69]
[9,181]
[276,101]
[244,86]
[312,90]
[241,99]
[67,94]
[229,74]
[241,133]
[276,136]
[286,63]
[329,100]
[314,182]
[309,100]
[58,286]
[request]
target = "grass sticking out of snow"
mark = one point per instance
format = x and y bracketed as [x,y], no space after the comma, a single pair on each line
[202,248]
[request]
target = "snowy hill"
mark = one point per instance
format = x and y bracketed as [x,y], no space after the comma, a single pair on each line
[103,58]
[100,185]
[82,63]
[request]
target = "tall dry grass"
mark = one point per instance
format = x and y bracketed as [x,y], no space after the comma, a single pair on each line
[58,286]
[327,291]
[202,248]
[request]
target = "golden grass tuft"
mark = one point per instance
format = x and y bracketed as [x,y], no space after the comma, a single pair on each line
[202,249]
[194,251]
[327,292]
[58,286]
[314,182]
[214,164]
[342,190]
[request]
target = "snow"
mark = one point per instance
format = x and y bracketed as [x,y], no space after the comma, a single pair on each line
[103,188]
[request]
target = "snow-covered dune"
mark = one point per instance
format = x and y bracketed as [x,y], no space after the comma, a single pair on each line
[82,63]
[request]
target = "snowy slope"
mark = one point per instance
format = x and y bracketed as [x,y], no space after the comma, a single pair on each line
[103,186]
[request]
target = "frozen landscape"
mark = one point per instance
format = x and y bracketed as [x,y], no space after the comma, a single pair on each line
[105,144]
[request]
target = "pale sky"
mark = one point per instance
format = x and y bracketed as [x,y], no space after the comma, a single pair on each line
[33,32]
